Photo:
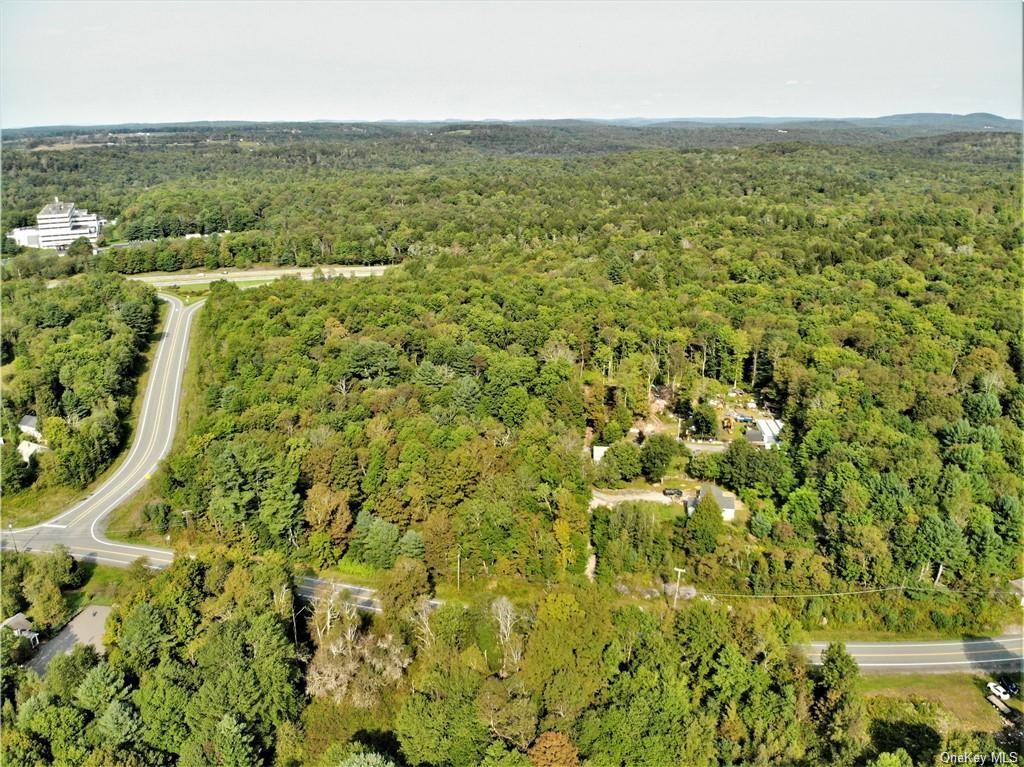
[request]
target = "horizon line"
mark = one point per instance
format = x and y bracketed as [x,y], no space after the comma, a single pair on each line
[429,120]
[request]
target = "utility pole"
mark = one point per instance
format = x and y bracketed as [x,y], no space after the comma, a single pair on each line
[458,569]
[295,628]
[10,534]
[679,575]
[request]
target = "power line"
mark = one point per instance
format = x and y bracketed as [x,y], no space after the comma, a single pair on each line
[878,590]
[803,595]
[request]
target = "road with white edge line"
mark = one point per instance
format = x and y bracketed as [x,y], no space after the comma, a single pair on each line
[987,654]
[193,277]
[168,279]
[81,527]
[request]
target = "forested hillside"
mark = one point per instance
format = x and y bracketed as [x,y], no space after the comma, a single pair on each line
[428,432]
[450,399]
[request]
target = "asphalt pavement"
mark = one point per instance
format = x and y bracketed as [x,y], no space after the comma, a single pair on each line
[247,275]
[1004,653]
[80,528]
[85,628]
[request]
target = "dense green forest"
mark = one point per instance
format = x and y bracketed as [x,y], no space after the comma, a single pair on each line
[451,399]
[428,431]
[322,194]
[71,356]
[214,662]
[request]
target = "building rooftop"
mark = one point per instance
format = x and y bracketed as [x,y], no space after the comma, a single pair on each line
[28,449]
[766,431]
[29,421]
[17,622]
[769,426]
[723,499]
[57,208]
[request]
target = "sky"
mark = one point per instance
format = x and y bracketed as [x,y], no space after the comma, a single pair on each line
[85,62]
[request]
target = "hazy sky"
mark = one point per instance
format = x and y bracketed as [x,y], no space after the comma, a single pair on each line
[94,62]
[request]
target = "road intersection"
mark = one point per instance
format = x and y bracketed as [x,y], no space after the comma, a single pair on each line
[81,527]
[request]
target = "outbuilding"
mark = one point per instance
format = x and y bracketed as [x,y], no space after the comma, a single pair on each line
[20,625]
[724,500]
[28,449]
[30,425]
[765,432]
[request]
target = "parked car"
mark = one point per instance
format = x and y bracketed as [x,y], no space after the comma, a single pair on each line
[1010,686]
[998,691]
[672,492]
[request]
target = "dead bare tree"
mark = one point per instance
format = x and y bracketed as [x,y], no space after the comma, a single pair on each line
[421,623]
[511,642]
[329,604]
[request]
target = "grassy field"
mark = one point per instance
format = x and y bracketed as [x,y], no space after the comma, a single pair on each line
[125,523]
[35,505]
[962,695]
[924,635]
[99,588]
[194,291]
[350,571]
[215,274]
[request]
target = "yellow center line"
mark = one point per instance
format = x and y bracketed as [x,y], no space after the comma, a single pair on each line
[145,457]
[95,550]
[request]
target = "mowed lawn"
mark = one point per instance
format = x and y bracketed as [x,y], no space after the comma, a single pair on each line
[962,695]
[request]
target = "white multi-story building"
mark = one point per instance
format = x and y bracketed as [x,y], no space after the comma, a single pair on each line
[58,225]
[61,223]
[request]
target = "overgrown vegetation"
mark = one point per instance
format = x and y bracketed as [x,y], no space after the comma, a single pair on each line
[71,358]
[451,398]
[213,662]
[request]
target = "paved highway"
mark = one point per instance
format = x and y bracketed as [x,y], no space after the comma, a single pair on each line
[81,527]
[167,279]
[1005,652]
[247,275]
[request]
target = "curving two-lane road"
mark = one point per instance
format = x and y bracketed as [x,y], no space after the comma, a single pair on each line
[81,527]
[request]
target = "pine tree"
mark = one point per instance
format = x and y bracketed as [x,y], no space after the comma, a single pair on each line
[233,745]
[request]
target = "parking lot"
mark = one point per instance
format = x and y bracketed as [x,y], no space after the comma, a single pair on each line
[85,628]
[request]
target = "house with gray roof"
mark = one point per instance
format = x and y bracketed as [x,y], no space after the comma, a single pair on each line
[30,425]
[725,500]
[20,625]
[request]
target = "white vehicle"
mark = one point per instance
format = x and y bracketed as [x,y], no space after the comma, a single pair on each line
[998,691]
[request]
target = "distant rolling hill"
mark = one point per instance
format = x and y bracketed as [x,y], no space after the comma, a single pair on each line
[568,137]
[927,121]
[947,122]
